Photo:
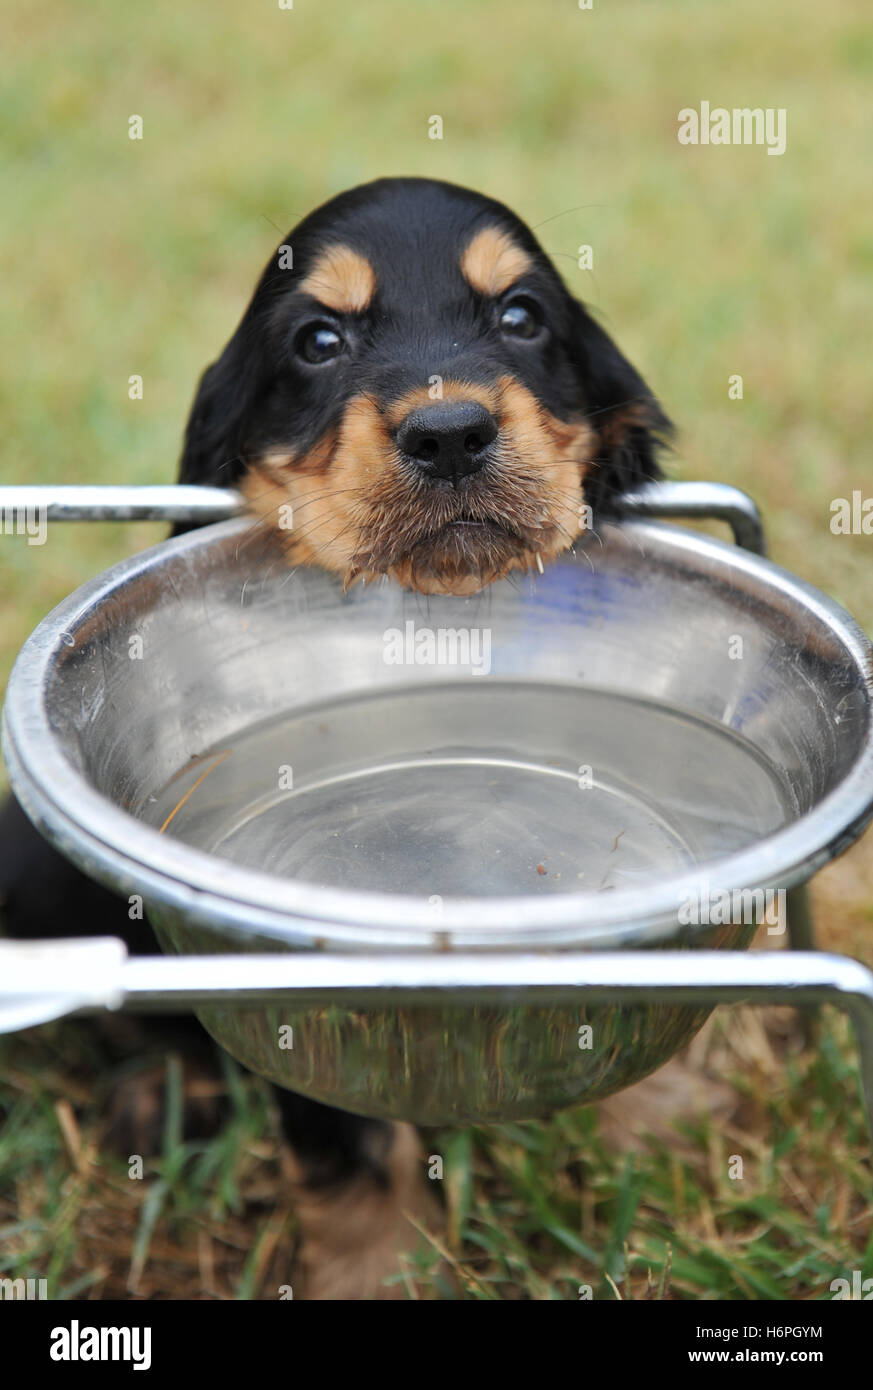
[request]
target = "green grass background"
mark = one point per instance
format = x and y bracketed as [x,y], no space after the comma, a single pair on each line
[124,257]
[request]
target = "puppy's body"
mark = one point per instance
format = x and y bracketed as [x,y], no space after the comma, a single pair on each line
[411,393]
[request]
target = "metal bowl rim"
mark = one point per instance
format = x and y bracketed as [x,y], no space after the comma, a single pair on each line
[126,853]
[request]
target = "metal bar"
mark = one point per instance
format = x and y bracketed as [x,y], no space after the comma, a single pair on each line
[682,977]
[701,502]
[182,503]
[35,981]
[801,937]
[798,908]
[173,503]
[106,976]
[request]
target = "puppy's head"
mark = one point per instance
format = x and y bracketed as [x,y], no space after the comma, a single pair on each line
[413,392]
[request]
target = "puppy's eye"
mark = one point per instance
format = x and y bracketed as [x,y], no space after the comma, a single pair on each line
[319,343]
[520,319]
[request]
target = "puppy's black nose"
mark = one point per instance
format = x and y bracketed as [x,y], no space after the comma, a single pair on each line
[448,439]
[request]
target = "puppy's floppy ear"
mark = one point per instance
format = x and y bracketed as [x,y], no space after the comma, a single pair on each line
[630,425]
[223,404]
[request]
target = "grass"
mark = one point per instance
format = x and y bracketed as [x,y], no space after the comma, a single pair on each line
[534,1211]
[137,257]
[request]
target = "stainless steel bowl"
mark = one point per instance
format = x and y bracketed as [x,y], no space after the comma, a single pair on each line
[596,753]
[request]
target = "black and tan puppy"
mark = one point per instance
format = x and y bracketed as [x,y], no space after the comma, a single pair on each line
[412,392]
[413,378]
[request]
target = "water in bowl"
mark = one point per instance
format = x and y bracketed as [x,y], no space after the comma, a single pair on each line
[502,788]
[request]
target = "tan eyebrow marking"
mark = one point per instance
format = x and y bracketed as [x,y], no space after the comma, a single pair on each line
[341,279]
[493,261]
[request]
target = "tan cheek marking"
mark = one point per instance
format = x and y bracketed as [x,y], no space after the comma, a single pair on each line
[328,490]
[341,279]
[571,442]
[285,507]
[451,391]
[561,451]
[492,261]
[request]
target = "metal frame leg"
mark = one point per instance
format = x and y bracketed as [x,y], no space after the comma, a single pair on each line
[801,937]
[801,928]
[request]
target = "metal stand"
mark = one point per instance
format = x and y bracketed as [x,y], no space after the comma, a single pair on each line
[35,977]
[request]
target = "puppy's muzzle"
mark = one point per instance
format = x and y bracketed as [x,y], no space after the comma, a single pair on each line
[448,440]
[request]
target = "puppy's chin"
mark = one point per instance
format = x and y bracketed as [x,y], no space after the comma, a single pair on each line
[461,558]
[459,585]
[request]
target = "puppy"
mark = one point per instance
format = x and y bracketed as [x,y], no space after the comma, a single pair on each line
[411,393]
